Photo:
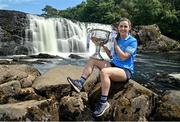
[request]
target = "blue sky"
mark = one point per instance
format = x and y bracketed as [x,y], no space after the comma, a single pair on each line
[36,6]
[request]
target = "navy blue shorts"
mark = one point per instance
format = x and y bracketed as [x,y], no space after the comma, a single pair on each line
[127,71]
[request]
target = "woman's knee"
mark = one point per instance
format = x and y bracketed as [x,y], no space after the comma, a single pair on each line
[104,72]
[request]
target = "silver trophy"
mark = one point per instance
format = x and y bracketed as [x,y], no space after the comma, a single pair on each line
[99,37]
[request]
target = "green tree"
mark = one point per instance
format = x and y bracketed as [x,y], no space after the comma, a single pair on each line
[49,11]
[164,13]
[75,13]
[146,11]
[169,20]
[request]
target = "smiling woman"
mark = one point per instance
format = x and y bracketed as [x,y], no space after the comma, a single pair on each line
[36,6]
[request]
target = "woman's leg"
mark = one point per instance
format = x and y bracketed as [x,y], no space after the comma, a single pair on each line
[78,84]
[90,66]
[108,74]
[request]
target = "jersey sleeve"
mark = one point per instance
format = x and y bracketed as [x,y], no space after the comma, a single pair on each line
[132,47]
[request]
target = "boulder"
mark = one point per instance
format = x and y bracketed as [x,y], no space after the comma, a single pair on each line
[13,26]
[151,39]
[13,81]
[129,101]
[32,110]
[75,107]
[25,74]
[169,106]
[54,81]
[9,89]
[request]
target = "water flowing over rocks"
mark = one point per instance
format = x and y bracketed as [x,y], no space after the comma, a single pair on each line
[22,33]
[49,97]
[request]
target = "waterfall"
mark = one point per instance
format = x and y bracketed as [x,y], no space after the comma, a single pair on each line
[60,35]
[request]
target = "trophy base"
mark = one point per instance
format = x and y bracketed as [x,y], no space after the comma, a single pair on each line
[97,56]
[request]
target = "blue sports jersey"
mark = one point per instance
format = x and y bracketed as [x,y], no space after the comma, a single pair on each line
[129,45]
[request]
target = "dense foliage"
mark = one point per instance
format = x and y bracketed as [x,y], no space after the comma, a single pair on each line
[164,13]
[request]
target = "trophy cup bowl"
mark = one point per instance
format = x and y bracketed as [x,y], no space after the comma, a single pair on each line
[99,37]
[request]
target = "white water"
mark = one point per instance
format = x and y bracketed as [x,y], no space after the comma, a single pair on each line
[58,36]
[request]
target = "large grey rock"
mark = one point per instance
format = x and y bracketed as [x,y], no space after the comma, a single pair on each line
[25,74]
[75,107]
[31,110]
[9,89]
[54,81]
[151,39]
[129,102]
[169,106]
[13,80]
[13,26]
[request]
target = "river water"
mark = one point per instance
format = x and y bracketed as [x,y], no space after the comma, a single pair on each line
[147,66]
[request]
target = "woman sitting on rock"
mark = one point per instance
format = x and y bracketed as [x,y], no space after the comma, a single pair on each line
[119,69]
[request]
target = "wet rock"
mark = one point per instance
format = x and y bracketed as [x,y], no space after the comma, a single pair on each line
[75,56]
[172,78]
[175,76]
[22,50]
[5,61]
[169,106]
[43,55]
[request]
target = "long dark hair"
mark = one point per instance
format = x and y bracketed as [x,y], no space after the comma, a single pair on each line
[118,36]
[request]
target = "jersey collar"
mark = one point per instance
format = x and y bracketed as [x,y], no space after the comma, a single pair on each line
[127,37]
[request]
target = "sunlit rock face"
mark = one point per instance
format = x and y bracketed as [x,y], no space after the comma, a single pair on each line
[151,39]
[12,32]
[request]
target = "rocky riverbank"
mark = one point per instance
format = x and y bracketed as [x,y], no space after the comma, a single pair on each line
[25,94]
